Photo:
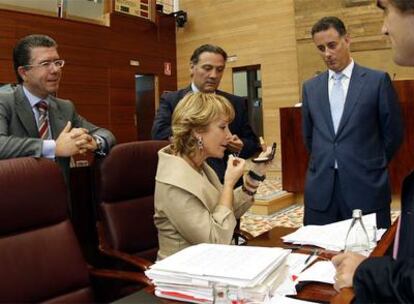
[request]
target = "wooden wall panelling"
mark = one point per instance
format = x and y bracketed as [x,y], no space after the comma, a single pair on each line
[8,27]
[146,39]
[85,56]
[7,44]
[405,89]
[123,102]
[167,83]
[7,74]
[85,75]
[64,31]
[294,153]
[85,94]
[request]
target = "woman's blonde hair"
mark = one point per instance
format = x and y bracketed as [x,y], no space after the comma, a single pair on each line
[195,112]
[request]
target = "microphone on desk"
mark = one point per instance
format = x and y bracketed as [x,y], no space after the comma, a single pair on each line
[393,76]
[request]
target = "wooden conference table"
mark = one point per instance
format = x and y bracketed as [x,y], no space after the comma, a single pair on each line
[317,292]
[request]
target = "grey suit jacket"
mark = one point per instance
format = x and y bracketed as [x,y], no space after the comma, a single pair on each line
[369,134]
[19,136]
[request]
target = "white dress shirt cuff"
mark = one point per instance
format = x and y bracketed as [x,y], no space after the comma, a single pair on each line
[49,148]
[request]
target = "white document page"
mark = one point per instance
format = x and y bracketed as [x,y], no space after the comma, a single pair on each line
[299,261]
[330,236]
[295,262]
[322,271]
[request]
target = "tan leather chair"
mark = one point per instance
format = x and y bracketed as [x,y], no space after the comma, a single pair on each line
[127,229]
[40,258]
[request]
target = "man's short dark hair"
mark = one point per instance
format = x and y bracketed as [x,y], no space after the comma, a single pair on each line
[326,23]
[404,6]
[22,50]
[207,48]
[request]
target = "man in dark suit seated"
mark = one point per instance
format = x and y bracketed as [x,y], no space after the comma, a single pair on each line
[207,66]
[352,128]
[388,279]
[33,121]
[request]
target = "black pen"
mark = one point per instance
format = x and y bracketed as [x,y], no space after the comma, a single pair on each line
[310,256]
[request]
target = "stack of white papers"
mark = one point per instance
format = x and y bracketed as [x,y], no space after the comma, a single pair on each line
[296,263]
[330,236]
[191,273]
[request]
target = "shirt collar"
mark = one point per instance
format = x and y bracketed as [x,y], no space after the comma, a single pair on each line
[194,88]
[347,71]
[33,99]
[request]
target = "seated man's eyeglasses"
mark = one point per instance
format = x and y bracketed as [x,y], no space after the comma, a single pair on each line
[47,64]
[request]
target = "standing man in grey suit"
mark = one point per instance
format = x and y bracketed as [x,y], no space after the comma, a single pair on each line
[207,66]
[33,122]
[352,128]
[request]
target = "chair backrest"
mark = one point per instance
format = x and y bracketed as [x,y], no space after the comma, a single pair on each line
[40,258]
[127,195]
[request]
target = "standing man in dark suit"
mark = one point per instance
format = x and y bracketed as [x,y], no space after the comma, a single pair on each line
[33,122]
[352,128]
[207,66]
[388,279]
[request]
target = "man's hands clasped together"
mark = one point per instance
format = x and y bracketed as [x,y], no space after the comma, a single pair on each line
[72,141]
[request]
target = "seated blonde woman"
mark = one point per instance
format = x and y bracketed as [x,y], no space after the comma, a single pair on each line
[191,205]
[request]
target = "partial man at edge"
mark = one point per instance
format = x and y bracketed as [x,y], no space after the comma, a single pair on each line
[388,279]
[352,128]
[207,66]
[33,122]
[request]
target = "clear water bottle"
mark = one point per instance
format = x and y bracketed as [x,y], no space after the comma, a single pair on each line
[357,237]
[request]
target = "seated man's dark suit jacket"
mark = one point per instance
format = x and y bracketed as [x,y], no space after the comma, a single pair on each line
[161,128]
[385,280]
[19,135]
[369,134]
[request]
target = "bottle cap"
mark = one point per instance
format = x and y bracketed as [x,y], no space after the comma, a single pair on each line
[356,213]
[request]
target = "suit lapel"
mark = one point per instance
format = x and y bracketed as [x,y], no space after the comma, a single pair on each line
[56,120]
[25,113]
[354,90]
[184,177]
[324,104]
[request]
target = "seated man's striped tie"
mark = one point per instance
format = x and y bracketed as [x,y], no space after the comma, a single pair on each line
[43,120]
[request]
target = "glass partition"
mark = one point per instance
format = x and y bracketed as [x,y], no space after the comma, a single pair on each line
[44,7]
[94,11]
[87,10]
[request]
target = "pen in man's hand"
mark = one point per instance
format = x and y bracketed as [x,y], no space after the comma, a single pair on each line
[314,252]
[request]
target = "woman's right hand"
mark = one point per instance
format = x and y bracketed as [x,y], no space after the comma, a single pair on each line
[235,169]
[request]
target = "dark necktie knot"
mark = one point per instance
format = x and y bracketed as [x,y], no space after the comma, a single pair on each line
[42,106]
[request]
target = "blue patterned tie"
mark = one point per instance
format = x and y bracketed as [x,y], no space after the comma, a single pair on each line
[337,100]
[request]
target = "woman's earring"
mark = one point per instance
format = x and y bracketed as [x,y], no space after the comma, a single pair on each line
[200,143]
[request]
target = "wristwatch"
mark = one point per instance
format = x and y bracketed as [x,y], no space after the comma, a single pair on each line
[257,177]
[99,143]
